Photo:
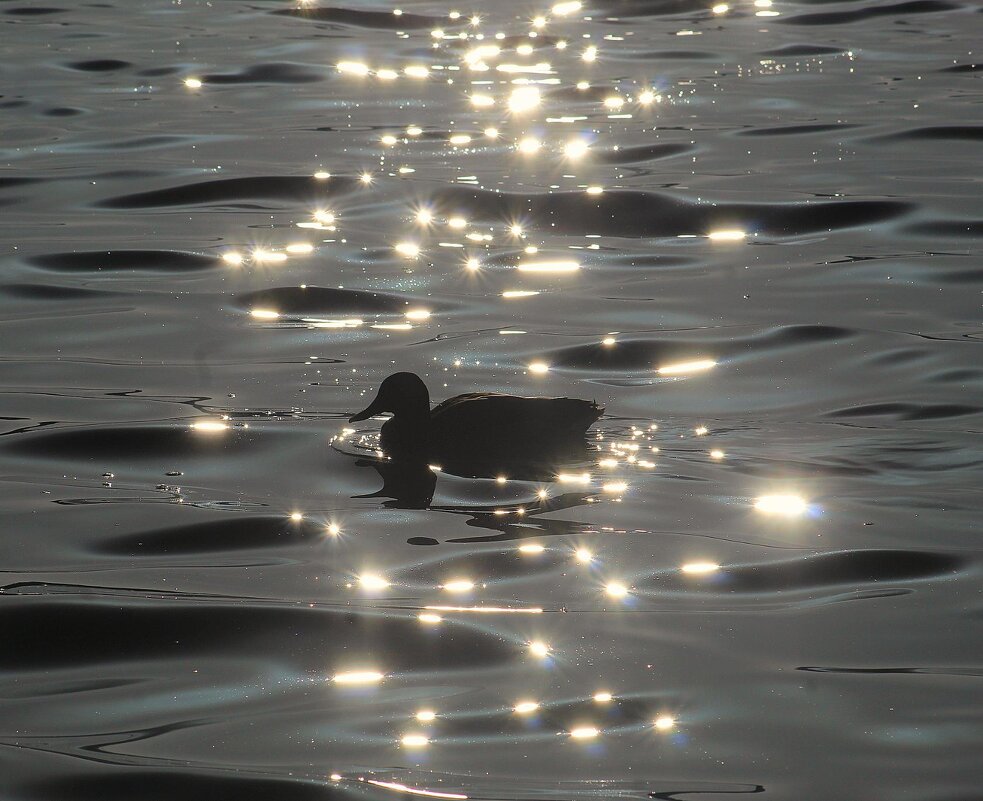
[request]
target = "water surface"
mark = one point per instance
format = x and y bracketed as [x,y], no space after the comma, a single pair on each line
[751,233]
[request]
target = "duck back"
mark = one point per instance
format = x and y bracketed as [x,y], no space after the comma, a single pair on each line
[483,433]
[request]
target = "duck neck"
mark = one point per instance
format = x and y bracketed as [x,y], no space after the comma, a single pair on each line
[407,434]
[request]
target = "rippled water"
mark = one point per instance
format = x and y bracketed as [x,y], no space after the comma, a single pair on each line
[769,579]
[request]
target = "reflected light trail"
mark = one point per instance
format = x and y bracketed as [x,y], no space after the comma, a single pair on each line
[732,235]
[209,426]
[687,367]
[404,788]
[533,610]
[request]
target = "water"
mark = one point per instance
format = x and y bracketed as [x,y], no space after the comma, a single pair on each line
[189,574]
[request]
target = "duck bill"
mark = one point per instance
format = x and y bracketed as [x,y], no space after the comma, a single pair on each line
[371,411]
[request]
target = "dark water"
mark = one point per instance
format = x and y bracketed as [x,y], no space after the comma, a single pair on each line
[171,632]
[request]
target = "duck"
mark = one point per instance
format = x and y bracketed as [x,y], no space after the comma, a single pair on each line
[480,434]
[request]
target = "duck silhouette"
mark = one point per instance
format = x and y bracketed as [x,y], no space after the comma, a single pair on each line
[480,434]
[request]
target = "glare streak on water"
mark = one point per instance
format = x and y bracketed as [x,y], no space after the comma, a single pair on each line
[748,230]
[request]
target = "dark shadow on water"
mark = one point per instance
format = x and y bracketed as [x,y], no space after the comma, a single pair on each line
[411,485]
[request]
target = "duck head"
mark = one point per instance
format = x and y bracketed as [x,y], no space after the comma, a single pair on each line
[403,394]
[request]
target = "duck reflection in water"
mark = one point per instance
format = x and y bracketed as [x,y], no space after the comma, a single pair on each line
[477,435]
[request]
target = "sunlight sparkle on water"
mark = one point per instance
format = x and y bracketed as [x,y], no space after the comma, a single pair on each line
[539,368]
[415,740]
[459,585]
[603,697]
[576,148]
[782,505]
[260,255]
[525,707]
[193,83]
[371,581]
[616,589]
[265,314]
[490,610]
[584,556]
[584,733]
[665,722]
[209,426]
[426,715]
[359,677]
[687,367]
[353,67]
[539,648]
[700,568]
[404,788]
[528,145]
[408,249]
[531,548]
[732,235]
[232,257]
[524,98]
[429,617]
[566,8]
